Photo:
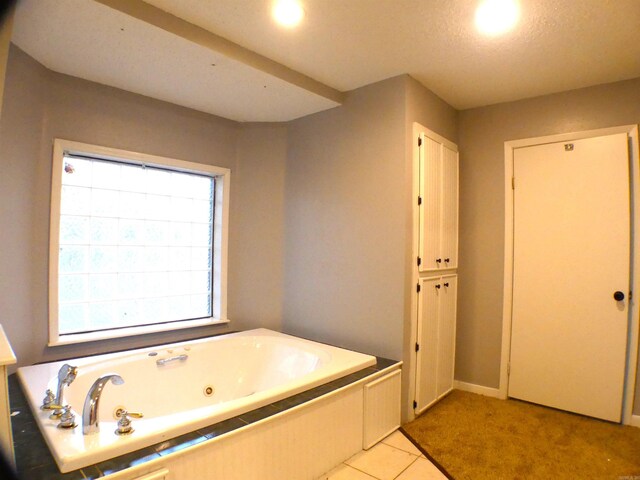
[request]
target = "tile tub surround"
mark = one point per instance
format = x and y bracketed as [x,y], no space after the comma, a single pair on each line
[34,461]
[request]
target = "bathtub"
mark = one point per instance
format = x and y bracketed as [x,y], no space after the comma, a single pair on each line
[208,381]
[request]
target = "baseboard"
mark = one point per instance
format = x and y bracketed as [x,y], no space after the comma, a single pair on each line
[495,393]
[473,388]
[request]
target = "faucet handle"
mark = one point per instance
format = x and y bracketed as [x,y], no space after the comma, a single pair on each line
[124,424]
[47,401]
[67,417]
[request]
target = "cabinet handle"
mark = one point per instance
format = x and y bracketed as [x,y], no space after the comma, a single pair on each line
[437,285]
[446,284]
[446,260]
[618,296]
[438,260]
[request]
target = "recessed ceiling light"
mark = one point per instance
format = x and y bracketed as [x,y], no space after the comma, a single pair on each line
[494,17]
[288,13]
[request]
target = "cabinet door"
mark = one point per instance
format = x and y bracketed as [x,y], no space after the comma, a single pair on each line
[449,200]
[430,208]
[427,356]
[446,333]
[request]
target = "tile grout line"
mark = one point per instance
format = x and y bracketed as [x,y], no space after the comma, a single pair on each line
[400,473]
[362,471]
[404,469]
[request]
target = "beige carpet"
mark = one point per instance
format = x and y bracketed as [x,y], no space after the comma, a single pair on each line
[476,437]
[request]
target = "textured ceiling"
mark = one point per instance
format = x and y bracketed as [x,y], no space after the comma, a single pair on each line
[558,45]
[91,41]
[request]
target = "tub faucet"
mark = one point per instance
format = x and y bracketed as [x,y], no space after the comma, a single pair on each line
[90,410]
[66,375]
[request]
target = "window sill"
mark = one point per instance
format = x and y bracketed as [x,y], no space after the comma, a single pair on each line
[133,331]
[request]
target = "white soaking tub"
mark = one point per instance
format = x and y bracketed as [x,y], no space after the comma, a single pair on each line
[213,379]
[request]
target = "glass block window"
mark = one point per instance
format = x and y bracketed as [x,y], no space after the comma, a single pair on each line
[135,245]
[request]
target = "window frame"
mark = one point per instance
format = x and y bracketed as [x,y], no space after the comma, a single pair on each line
[222,178]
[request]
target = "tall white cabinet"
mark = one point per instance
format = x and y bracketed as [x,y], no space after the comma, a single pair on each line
[436,249]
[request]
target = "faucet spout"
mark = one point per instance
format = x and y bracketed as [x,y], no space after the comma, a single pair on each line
[91,402]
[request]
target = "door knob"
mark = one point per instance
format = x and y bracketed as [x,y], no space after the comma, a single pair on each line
[618,296]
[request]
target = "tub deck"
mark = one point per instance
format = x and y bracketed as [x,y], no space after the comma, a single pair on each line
[35,462]
[245,370]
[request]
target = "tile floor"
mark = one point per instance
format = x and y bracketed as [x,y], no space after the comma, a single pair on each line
[394,458]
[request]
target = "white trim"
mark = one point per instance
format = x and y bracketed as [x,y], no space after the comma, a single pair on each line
[413,334]
[635,421]
[632,345]
[222,178]
[72,338]
[634,313]
[7,356]
[479,389]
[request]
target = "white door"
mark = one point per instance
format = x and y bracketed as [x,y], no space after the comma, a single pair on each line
[427,355]
[436,339]
[439,207]
[449,220]
[430,208]
[446,334]
[571,253]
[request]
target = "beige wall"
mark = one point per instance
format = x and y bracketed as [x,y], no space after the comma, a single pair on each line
[42,105]
[21,127]
[345,222]
[348,218]
[6,27]
[256,256]
[482,133]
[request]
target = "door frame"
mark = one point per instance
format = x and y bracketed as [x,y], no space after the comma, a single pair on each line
[634,321]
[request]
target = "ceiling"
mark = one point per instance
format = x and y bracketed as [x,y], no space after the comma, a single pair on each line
[341,45]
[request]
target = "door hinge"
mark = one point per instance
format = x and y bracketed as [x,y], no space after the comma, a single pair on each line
[417,347]
[420,263]
[415,404]
[419,200]
[630,294]
[418,288]
[419,141]
[508,369]
[513,183]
